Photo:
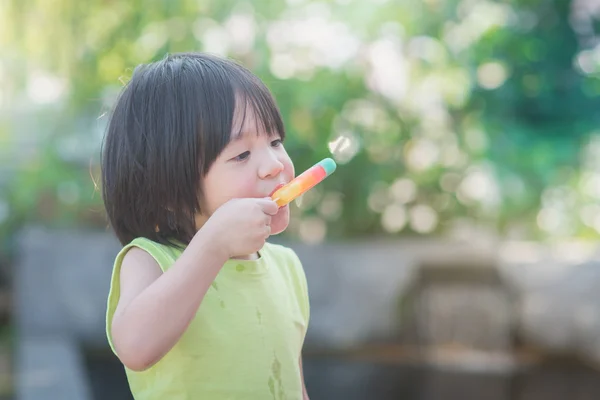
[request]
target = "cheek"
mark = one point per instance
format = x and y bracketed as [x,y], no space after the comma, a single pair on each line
[288,168]
[240,186]
[224,187]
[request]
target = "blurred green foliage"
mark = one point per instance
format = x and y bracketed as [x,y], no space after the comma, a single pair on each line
[446,116]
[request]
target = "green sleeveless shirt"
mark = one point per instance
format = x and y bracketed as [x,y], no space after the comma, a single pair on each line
[245,340]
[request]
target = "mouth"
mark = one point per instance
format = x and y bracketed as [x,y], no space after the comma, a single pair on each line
[276,189]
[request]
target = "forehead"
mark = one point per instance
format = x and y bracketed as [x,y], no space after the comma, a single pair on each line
[247,122]
[244,119]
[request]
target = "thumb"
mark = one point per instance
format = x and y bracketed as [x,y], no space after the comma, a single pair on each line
[268,206]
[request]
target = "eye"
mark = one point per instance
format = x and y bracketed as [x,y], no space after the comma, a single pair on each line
[276,143]
[242,157]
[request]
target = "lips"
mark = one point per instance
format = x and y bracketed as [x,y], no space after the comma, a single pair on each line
[276,189]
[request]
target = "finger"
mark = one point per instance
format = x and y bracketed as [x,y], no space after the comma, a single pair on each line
[267,220]
[267,231]
[268,206]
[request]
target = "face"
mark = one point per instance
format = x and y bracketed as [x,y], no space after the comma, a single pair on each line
[253,164]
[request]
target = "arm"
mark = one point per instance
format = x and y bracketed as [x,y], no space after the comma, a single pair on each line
[304,393]
[155,308]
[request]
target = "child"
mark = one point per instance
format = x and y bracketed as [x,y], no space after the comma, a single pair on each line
[200,306]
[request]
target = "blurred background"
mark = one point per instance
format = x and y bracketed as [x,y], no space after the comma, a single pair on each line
[451,256]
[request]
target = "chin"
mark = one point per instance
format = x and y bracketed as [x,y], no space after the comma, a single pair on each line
[280,221]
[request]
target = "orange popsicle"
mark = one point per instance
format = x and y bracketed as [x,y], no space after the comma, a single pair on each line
[304,182]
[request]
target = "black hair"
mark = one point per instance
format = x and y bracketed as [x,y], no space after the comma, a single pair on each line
[170,122]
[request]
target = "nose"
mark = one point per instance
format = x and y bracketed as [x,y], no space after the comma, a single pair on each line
[271,166]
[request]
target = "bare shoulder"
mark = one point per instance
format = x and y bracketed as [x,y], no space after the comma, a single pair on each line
[138,271]
[140,265]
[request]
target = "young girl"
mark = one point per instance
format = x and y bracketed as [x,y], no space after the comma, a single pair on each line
[200,306]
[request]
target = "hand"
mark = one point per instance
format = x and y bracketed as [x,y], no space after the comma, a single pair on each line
[241,226]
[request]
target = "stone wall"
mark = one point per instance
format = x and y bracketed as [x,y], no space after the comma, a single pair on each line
[423,293]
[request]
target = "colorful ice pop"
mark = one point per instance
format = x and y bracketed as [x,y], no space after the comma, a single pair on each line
[303,182]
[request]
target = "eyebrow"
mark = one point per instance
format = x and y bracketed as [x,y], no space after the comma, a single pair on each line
[242,134]
[238,136]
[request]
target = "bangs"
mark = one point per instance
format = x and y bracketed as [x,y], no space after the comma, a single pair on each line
[254,97]
[234,95]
